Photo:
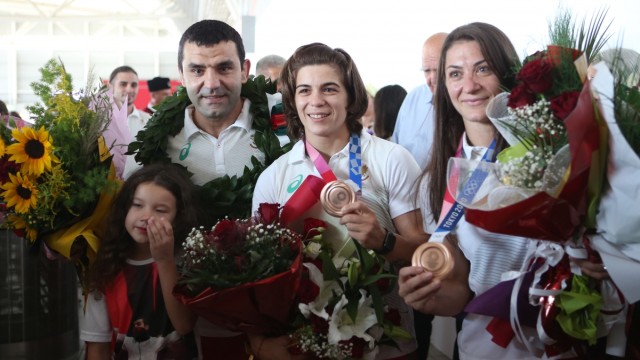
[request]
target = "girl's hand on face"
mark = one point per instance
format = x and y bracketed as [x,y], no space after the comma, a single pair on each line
[363,225]
[160,233]
[417,287]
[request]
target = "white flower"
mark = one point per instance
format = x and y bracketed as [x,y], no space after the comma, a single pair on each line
[313,249]
[342,327]
[318,305]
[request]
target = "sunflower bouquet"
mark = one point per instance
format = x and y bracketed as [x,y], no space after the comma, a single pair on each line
[55,176]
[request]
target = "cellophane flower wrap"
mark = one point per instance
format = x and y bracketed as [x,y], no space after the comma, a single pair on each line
[617,235]
[341,312]
[56,178]
[243,275]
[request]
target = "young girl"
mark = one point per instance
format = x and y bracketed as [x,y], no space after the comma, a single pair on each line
[130,311]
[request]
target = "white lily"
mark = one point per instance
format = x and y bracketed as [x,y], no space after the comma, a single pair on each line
[318,305]
[342,327]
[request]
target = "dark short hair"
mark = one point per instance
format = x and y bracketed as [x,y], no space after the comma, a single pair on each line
[386,105]
[121,69]
[209,33]
[321,54]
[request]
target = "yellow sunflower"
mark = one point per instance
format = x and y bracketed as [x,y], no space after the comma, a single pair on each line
[2,147]
[33,150]
[18,223]
[20,192]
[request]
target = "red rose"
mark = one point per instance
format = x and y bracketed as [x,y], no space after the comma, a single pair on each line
[536,74]
[311,226]
[269,213]
[559,54]
[563,104]
[357,348]
[319,325]
[308,290]
[393,316]
[225,237]
[520,96]
[294,349]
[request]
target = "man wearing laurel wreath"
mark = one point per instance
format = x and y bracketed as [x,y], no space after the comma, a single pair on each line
[216,138]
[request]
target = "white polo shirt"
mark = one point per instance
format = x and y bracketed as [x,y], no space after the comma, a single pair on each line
[388,177]
[206,156]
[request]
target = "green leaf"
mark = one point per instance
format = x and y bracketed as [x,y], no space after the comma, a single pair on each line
[329,270]
[353,274]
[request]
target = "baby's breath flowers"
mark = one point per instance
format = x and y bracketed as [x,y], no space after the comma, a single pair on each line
[542,135]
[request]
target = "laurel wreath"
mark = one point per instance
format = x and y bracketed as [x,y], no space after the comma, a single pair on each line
[228,195]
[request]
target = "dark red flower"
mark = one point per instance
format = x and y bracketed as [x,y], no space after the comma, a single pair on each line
[319,325]
[240,262]
[294,349]
[393,316]
[310,227]
[537,75]
[357,348]
[308,290]
[269,213]
[563,104]
[520,96]
[7,167]
[225,237]
[558,54]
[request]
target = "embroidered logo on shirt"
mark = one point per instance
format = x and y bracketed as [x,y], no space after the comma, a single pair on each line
[184,152]
[293,186]
[365,172]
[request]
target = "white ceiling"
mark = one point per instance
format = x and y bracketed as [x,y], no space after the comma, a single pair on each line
[121,18]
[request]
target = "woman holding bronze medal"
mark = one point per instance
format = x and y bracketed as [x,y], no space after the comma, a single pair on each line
[360,185]
[476,63]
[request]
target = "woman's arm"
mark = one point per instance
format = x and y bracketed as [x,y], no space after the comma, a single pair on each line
[363,226]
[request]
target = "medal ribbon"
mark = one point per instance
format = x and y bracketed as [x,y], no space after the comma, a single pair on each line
[355,162]
[309,191]
[452,210]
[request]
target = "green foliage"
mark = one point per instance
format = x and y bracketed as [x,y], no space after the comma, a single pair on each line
[587,38]
[627,110]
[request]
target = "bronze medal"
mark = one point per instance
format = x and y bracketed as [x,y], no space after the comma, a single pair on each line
[435,258]
[335,195]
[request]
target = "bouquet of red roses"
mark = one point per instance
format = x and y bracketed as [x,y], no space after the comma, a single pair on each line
[341,310]
[243,275]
